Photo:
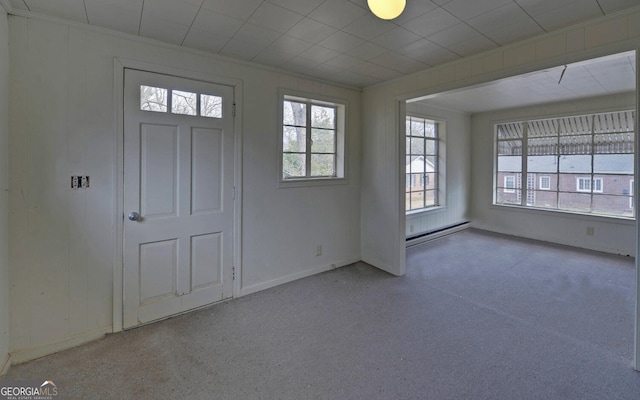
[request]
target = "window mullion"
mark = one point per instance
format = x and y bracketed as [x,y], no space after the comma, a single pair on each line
[524,180]
[424,163]
[592,151]
[309,141]
[436,175]
[558,151]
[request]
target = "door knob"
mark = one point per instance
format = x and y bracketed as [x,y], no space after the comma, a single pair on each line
[134,216]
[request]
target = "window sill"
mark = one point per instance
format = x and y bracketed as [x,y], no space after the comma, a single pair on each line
[430,210]
[532,210]
[307,182]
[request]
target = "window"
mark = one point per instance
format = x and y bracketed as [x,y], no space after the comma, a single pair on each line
[510,184]
[156,99]
[583,163]
[422,163]
[584,185]
[312,139]
[545,183]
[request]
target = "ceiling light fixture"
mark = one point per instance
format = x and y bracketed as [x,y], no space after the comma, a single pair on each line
[387,9]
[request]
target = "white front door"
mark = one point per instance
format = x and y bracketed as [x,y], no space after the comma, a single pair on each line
[178,195]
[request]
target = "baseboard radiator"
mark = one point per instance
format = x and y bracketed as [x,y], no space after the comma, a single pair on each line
[436,234]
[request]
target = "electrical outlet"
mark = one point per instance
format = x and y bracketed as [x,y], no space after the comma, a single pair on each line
[590,230]
[319,250]
[79,182]
[411,228]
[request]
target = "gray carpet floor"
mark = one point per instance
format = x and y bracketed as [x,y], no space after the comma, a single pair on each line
[477,316]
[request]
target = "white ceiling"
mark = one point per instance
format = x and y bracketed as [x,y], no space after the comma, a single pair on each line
[600,76]
[336,40]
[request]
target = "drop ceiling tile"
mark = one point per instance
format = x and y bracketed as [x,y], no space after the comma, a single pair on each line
[18,4]
[326,71]
[341,42]
[473,45]
[418,49]
[441,2]
[303,7]
[367,51]
[376,71]
[255,34]
[163,30]
[299,65]
[241,50]
[438,56]
[414,9]
[319,54]
[358,80]
[203,40]
[179,12]
[289,45]
[68,9]
[233,8]
[337,13]
[275,17]
[453,34]
[368,26]
[388,59]
[311,31]
[343,61]
[552,14]
[398,62]
[216,24]
[610,6]
[507,24]
[272,58]
[465,9]
[360,3]
[396,38]
[120,15]
[432,22]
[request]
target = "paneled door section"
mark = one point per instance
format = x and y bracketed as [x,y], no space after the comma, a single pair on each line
[178,195]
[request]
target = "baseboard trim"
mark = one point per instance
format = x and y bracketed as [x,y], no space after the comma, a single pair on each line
[4,366]
[24,355]
[428,236]
[294,277]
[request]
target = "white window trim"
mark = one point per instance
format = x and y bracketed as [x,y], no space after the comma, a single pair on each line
[508,189]
[592,184]
[548,186]
[441,127]
[631,193]
[583,179]
[342,106]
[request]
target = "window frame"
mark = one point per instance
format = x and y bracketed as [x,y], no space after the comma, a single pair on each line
[515,134]
[340,145]
[438,181]
[509,188]
[548,185]
[591,183]
[169,107]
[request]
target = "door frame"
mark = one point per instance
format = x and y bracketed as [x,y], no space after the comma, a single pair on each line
[119,66]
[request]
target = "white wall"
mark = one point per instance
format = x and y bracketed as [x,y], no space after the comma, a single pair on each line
[62,122]
[4,174]
[457,171]
[613,235]
[382,219]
